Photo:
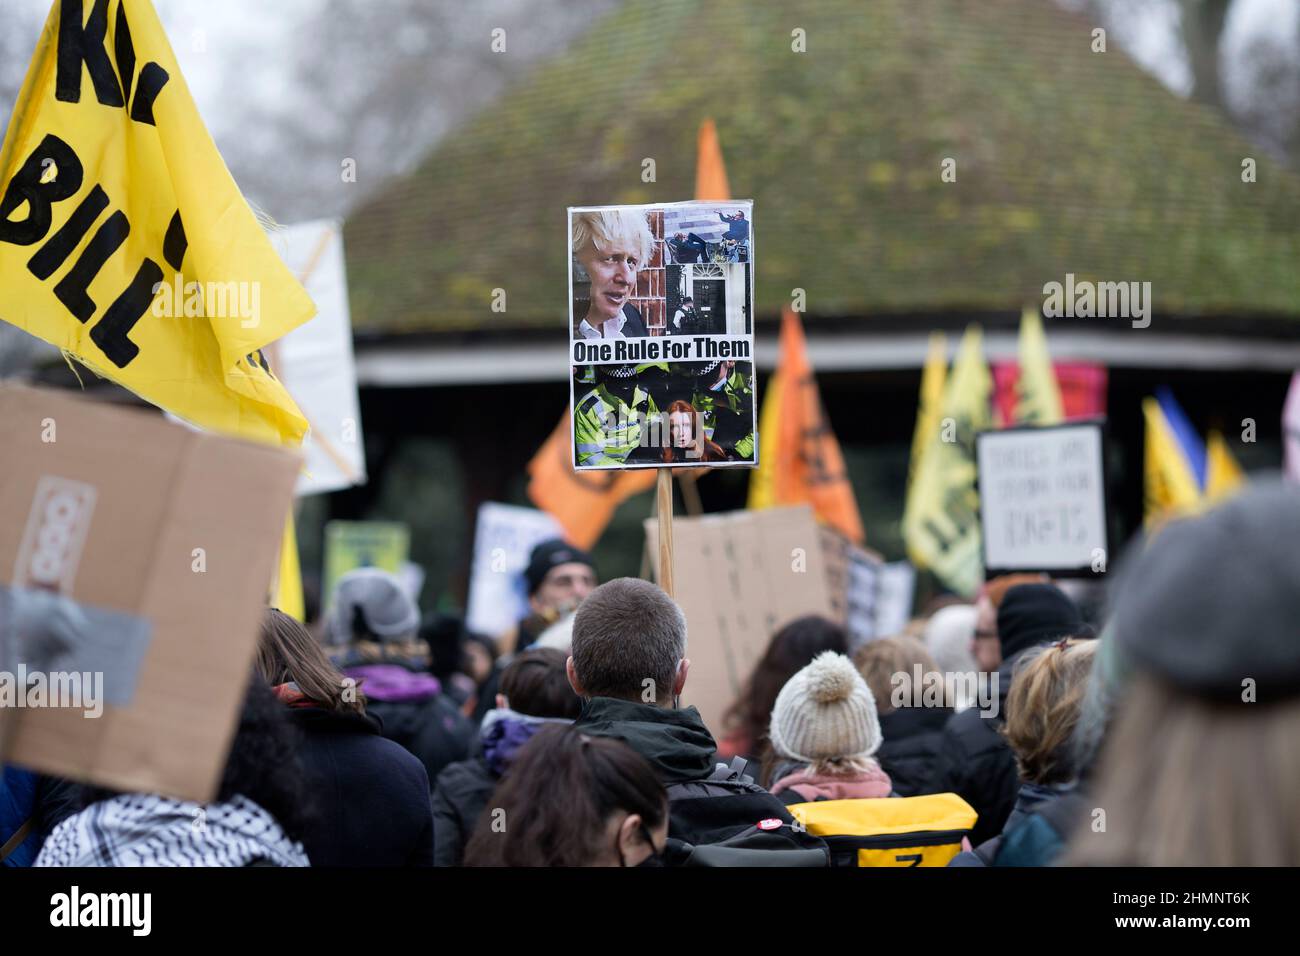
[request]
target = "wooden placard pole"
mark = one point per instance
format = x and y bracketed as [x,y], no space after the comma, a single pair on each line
[664,506]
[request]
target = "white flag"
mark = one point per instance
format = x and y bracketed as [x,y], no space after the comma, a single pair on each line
[1291,431]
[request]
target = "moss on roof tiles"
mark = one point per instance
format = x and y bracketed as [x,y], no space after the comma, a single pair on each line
[1067,161]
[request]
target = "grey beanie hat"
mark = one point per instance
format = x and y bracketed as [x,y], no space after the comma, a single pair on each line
[384,606]
[824,712]
[1212,601]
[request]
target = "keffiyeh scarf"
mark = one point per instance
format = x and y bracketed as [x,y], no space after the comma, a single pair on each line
[141,829]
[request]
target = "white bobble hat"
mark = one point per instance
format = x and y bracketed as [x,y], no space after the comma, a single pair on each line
[825,712]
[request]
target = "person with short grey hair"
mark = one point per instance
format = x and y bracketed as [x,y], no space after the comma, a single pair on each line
[628,664]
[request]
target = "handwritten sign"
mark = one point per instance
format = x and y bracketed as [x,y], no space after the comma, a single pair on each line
[1043,499]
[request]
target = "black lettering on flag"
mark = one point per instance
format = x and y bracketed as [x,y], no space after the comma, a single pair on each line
[152,79]
[27,186]
[110,332]
[71,289]
[55,252]
[175,243]
[80,44]
[124,51]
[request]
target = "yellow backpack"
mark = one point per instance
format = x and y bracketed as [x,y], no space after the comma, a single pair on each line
[889,831]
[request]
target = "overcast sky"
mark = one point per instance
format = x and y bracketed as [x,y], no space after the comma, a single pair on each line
[212,38]
[233,50]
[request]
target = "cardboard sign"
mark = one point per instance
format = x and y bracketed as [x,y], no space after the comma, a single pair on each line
[1043,499]
[166,539]
[870,597]
[504,538]
[661,335]
[363,544]
[739,577]
[315,360]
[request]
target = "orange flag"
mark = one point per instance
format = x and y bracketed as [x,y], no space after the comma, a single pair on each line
[710,172]
[805,459]
[581,501]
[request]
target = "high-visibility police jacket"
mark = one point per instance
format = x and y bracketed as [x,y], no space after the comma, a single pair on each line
[607,429]
[730,398]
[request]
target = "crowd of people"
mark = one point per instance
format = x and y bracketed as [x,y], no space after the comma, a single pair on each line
[1005,732]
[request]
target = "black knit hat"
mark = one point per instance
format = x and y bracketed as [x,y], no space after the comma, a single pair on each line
[551,554]
[1213,600]
[1032,614]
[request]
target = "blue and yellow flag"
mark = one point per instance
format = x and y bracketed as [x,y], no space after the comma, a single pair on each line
[1183,475]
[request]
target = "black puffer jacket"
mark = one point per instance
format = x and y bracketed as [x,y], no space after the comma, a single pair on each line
[909,749]
[433,729]
[371,805]
[459,797]
[976,763]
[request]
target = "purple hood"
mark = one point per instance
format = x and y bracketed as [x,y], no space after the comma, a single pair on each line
[504,732]
[394,683]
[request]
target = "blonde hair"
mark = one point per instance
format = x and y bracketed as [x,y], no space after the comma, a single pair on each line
[1190,782]
[606,228]
[881,660]
[1043,707]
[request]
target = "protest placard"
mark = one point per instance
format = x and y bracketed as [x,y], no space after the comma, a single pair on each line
[1043,499]
[363,544]
[315,360]
[661,335]
[504,537]
[741,576]
[166,539]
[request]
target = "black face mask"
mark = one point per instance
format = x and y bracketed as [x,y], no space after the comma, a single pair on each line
[654,859]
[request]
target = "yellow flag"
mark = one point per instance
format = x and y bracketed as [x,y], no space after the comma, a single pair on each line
[941,519]
[123,238]
[927,412]
[288,589]
[762,483]
[1223,476]
[1038,397]
[1170,484]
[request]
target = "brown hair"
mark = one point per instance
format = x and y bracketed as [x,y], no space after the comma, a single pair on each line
[791,649]
[1189,782]
[996,589]
[625,633]
[554,803]
[537,684]
[287,652]
[1043,708]
[879,661]
[709,450]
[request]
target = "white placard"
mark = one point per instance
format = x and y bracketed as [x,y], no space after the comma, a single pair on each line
[895,589]
[1042,498]
[315,360]
[504,538]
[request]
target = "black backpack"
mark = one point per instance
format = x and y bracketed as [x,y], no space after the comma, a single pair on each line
[726,819]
